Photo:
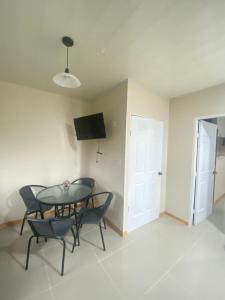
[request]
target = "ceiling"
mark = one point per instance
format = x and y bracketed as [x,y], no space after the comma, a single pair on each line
[171,46]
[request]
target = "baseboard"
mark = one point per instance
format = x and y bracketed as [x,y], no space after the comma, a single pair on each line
[115,228]
[174,217]
[19,221]
[220,198]
[10,223]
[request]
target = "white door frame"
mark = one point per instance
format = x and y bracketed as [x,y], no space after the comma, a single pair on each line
[194,162]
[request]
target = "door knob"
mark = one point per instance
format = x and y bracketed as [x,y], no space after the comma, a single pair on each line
[160,173]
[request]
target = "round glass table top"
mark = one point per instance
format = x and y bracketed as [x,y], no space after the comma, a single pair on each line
[61,195]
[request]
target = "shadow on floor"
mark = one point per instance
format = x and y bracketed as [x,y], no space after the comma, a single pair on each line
[218,216]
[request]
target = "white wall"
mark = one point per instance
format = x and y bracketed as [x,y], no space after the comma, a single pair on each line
[109,171]
[183,111]
[146,103]
[37,143]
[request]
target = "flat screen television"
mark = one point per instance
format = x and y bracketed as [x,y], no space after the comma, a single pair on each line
[90,127]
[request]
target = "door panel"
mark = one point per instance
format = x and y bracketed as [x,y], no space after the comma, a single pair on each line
[144,182]
[205,168]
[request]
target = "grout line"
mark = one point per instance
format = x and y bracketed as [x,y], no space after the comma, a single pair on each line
[166,273]
[112,282]
[163,276]
[112,252]
[48,278]
[51,293]
[116,251]
[67,277]
[182,287]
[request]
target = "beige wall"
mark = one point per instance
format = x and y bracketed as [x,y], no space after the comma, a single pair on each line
[143,102]
[220,163]
[37,143]
[221,126]
[183,111]
[220,177]
[109,171]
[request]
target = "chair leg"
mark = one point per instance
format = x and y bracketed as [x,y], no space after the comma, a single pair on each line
[78,233]
[77,229]
[103,242]
[93,202]
[74,238]
[104,223]
[42,214]
[63,258]
[63,209]
[28,252]
[24,218]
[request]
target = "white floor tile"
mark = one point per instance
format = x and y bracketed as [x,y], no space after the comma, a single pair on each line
[168,289]
[162,260]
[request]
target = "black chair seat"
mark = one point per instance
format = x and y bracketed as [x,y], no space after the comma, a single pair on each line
[55,228]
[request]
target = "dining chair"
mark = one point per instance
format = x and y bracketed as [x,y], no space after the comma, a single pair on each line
[53,228]
[94,215]
[31,202]
[90,182]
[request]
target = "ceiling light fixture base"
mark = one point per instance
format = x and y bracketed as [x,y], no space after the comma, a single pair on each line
[67,41]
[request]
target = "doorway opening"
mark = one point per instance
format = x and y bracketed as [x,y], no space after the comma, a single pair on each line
[209,167]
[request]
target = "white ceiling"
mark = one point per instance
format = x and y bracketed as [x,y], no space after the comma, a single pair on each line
[172,46]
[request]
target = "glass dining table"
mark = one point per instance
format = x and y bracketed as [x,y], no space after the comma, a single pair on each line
[61,195]
[65,195]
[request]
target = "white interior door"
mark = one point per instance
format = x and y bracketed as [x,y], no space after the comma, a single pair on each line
[145,160]
[205,171]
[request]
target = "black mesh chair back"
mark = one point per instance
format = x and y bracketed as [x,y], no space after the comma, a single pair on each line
[86,181]
[90,182]
[94,215]
[52,227]
[55,228]
[41,227]
[102,209]
[29,199]
[31,203]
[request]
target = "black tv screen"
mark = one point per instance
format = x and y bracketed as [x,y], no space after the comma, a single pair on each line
[90,127]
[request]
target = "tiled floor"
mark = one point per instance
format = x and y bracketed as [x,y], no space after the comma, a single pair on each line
[162,260]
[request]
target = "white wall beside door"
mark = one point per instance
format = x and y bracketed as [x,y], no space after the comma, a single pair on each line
[144,166]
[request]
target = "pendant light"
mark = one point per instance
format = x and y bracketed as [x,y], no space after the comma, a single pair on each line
[66,79]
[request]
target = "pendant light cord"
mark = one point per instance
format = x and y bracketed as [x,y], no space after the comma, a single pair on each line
[67,55]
